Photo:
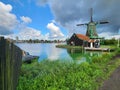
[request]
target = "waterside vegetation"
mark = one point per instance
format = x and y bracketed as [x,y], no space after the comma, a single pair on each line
[68,46]
[57,75]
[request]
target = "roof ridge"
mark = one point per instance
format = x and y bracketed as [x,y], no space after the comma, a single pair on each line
[84,37]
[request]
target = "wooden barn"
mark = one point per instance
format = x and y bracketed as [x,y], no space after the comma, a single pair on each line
[81,40]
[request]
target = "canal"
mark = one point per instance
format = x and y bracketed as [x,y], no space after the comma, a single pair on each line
[48,51]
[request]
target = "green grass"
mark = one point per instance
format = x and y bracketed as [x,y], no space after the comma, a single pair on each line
[69,47]
[109,46]
[80,47]
[56,75]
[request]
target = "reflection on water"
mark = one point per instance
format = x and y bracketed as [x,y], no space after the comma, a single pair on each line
[33,49]
[79,55]
[50,52]
[75,54]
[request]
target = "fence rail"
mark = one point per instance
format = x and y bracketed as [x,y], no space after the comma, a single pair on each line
[10,63]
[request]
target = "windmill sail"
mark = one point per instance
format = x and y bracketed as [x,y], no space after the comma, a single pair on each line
[104,22]
[91,26]
[82,24]
[91,13]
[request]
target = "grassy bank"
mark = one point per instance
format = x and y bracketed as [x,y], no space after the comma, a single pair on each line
[80,47]
[109,46]
[68,47]
[58,75]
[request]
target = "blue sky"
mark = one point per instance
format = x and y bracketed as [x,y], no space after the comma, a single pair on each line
[40,16]
[56,19]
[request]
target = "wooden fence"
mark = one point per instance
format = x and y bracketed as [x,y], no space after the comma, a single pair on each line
[10,63]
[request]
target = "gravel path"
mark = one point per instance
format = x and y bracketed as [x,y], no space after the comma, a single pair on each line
[113,83]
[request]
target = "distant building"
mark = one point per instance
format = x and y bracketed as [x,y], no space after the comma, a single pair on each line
[82,40]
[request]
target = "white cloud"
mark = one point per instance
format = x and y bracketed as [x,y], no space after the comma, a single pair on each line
[5,8]
[8,21]
[55,31]
[29,33]
[26,19]
[106,35]
[116,36]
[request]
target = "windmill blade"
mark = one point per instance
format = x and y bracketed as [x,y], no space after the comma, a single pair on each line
[91,14]
[104,22]
[81,24]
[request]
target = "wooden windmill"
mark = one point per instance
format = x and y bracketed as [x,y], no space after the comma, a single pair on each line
[91,27]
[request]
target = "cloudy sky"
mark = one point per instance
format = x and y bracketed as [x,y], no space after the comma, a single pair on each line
[56,19]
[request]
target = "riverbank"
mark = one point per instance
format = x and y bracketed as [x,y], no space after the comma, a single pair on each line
[105,48]
[58,75]
[68,46]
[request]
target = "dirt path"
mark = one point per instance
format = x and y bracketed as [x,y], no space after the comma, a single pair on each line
[113,83]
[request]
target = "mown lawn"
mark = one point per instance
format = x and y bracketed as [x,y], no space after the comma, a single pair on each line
[57,75]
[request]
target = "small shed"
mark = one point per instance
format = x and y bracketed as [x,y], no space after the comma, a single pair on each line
[80,40]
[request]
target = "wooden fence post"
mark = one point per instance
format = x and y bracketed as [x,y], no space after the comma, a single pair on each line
[10,63]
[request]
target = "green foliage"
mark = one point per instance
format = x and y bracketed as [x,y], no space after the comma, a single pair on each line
[56,75]
[110,42]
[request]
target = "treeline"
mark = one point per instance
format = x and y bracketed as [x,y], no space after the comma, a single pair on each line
[110,42]
[39,41]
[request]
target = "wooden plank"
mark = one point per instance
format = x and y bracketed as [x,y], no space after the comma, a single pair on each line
[10,63]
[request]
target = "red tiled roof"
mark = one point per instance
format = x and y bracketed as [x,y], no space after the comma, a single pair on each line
[83,37]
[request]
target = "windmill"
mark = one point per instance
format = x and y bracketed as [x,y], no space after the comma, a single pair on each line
[91,27]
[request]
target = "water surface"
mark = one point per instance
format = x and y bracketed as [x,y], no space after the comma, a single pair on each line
[50,52]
